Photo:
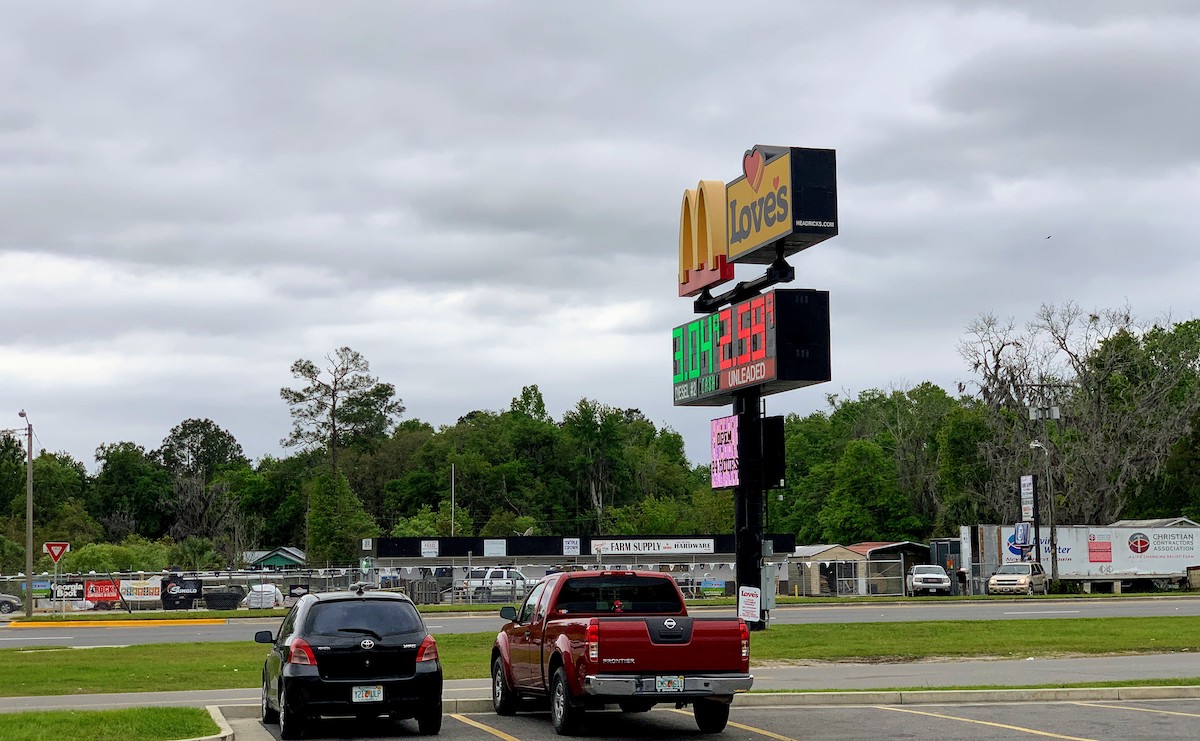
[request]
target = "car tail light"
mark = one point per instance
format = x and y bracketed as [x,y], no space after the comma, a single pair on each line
[745,638]
[299,652]
[593,639]
[428,650]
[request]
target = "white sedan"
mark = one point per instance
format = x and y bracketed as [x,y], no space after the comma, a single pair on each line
[927,578]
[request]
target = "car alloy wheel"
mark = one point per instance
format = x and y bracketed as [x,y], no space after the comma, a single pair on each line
[269,715]
[289,721]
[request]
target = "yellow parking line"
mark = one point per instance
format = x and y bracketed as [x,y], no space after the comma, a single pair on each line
[982,723]
[752,729]
[482,727]
[1130,707]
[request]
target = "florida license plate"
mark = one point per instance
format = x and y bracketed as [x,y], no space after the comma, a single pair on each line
[671,683]
[368,694]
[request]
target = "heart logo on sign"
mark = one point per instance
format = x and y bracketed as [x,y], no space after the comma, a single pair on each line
[753,168]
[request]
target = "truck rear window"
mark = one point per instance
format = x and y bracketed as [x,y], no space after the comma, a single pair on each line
[619,593]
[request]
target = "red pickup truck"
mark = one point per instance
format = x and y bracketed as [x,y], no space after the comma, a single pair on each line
[592,638]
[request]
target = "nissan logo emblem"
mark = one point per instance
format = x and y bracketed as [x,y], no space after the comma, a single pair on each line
[367,644]
[670,622]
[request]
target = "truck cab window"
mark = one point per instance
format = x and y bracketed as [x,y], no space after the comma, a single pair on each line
[528,608]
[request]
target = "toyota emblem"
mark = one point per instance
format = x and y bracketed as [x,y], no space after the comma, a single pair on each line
[367,644]
[670,622]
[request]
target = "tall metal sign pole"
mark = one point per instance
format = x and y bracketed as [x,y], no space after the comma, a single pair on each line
[753,340]
[748,494]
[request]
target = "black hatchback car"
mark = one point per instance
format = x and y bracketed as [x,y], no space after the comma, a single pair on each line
[361,653]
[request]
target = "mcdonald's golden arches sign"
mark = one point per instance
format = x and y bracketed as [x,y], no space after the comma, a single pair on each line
[785,201]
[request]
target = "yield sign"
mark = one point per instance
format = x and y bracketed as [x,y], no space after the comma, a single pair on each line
[56,550]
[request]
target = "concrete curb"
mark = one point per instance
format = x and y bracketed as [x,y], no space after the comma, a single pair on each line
[933,697]
[118,623]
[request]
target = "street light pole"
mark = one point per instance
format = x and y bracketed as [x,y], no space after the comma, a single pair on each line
[1037,445]
[1053,531]
[28,516]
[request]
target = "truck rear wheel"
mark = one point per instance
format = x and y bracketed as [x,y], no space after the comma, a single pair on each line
[711,715]
[565,715]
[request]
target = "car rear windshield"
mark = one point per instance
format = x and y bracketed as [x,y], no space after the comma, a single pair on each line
[619,593]
[363,617]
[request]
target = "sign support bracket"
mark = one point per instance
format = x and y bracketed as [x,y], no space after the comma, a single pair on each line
[777,272]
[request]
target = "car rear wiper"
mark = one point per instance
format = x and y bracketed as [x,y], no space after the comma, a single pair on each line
[367,631]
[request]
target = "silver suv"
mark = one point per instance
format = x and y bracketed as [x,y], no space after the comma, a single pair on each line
[1019,578]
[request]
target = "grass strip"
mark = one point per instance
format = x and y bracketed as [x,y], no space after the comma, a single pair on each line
[180,667]
[127,724]
[983,638]
[202,666]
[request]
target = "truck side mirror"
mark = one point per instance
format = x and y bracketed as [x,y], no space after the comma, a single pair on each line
[508,612]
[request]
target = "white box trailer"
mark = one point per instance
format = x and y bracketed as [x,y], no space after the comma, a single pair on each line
[1113,554]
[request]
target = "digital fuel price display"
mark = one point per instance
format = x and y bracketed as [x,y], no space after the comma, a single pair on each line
[778,340]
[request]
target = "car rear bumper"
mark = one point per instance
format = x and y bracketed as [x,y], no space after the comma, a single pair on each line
[643,686]
[312,695]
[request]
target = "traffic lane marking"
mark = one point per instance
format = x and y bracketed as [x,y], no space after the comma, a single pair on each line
[1044,612]
[752,729]
[1134,707]
[483,727]
[1020,729]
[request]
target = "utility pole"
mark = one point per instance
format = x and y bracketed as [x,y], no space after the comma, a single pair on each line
[28,515]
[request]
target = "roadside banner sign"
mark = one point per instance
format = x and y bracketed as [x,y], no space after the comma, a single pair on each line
[1028,492]
[56,549]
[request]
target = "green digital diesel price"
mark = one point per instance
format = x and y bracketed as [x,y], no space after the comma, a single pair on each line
[778,340]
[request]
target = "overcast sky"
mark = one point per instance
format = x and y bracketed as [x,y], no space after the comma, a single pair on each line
[481,196]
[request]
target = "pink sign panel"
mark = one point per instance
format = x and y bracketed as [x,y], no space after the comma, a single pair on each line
[724,452]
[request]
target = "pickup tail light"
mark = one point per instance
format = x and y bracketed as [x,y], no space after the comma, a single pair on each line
[428,650]
[745,632]
[593,639]
[299,652]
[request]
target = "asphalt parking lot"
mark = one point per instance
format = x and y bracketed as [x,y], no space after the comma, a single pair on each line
[1080,720]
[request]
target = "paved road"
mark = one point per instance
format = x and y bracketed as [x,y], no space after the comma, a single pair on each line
[1077,721]
[861,612]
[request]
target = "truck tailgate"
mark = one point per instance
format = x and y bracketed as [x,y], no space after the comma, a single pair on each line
[672,644]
